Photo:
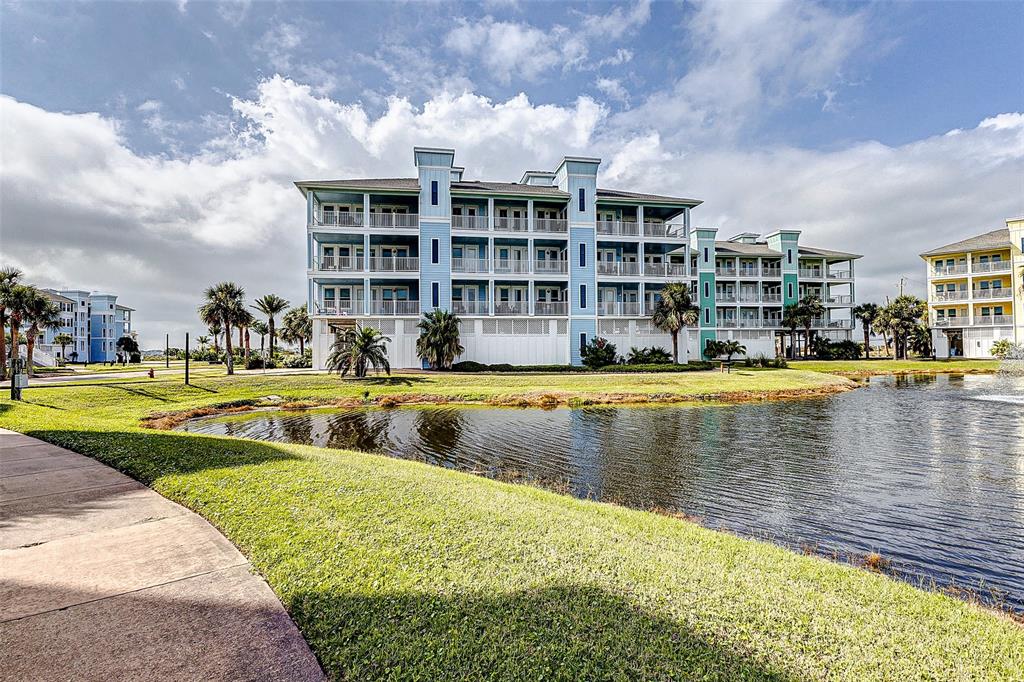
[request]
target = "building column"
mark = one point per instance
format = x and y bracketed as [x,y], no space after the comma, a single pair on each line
[530,297]
[529,215]
[641,255]
[529,254]
[490,254]
[310,208]
[366,210]
[366,296]
[366,252]
[490,214]
[642,298]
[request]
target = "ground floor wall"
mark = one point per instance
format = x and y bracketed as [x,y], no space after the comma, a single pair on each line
[968,342]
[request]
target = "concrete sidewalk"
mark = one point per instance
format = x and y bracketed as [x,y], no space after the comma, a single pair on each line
[103,579]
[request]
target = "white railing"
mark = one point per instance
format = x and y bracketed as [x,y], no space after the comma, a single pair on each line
[395,264]
[665,269]
[943,270]
[469,222]
[747,271]
[550,225]
[996,292]
[511,224]
[771,298]
[652,229]
[469,307]
[394,307]
[725,297]
[340,263]
[811,273]
[551,266]
[991,266]
[771,272]
[994,319]
[747,298]
[960,295]
[399,220]
[628,228]
[840,324]
[511,308]
[624,308]
[838,274]
[509,265]
[725,271]
[339,219]
[946,322]
[551,308]
[349,307]
[839,299]
[726,322]
[470,265]
[748,322]
[774,322]
[618,268]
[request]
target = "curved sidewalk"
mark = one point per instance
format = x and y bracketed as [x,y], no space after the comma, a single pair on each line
[101,578]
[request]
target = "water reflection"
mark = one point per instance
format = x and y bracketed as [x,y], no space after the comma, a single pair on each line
[927,471]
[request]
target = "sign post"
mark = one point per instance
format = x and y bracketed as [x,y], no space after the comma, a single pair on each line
[186,358]
[167,350]
[19,379]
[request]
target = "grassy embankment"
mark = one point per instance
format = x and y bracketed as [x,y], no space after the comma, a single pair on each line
[395,569]
[872,367]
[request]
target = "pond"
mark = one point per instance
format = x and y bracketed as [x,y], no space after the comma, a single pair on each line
[926,471]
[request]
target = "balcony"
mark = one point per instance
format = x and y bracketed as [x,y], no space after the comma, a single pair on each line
[747,271]
[349,307]
[511,308]
[408,221]
[472,265]
[960,295]
[725,296]
[551,308]
[469,307]
[626,228]
[839,324]
[991,266]
[554,267]
[772,321]
[725,270]
[749,322]
[409,264]
[811,273]
[618,268]
[993,319]
[726,323]
[550,225]
[947,270]
[771,298]
[744,297]
[469,222]
[510,266]
[619,308]
[339,264]
[395,308]
[665,269]
[771,272]
[988,294]
[511,224]
[338,219]
[839,274]
[838,299]
[664,230]
[941,322]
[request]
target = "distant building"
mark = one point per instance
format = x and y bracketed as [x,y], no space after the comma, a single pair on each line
[94,321]
[974,292]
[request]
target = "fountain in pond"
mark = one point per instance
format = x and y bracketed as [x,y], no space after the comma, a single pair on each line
[1012,363]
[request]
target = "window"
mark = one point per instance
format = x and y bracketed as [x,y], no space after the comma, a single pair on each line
[707,290]
[707,254]
[789,289]
[435,251]
[583,296]
[583,202]
[583,341]
[583,255]
[789,256]
[433,192]
[435,295]
[707,316]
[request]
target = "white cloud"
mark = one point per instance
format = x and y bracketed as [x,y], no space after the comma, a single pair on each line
[613,88]
[621,56]
[618,21]
[506,48]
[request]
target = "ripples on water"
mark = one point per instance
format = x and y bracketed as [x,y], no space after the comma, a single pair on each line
[928,472]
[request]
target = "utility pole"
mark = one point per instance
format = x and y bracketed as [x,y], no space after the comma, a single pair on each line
[186,358]
[167,350]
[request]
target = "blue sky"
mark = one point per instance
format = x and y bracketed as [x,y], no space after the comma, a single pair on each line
[168,120]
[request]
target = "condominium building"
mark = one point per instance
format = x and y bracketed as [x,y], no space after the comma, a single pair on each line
[535,269]
[94,321]
[974,292]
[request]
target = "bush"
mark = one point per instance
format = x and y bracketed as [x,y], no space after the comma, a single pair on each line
[296,361]
[1004,348]
[256,362]
[659,367]
[780,363]
[837,350]
[471,366]
[600,352]
[649,356]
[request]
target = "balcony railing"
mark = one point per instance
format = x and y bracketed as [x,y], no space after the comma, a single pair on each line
[726,322]
[470,265]
[997,292]
[349,307]
[664,230]
[747,298]
[839,324]
[627,228]
[469,222]
[771,272]
[940,322]
[945,270]
[551,308]
[623,308]
[394,307]
[839,299]
[549,266]
[469,307]
[811,273]
[748,322]
[511,308]
[395,264]
[960,295]
[725,296]
[399,220]
[991,266]
[618,268]
[550,225]
[511,224]
[771,321]
[725,271]
[340,264]
[665,269]
[339,219]
[994,319]
[747,271]
[508,265]
[839,274]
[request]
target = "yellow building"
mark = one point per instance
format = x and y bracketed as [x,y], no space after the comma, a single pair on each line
[976,292]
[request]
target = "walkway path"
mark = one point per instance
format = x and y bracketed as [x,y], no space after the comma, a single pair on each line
[101,578]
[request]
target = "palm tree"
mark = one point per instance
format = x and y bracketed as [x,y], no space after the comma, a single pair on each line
[438,343]
[904,315]
[271,305]
[244,319]
[203,341]
[675,311]
[260,327]
[215,331]
[16,301]
[866,313]
[9,278]
[223,303]
[792,318]
[356,348]
[299,327]
[811,308]
[63,340]
[41,313]
[731,348]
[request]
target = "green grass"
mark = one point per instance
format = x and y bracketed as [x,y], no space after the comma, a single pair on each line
[399,570]
[896,366]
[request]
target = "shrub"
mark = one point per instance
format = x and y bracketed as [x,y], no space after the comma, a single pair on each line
[780,363]
[1004,348]
[630,369]
[256,362]
[296,361]
[471,366]
[600,352]
[652,355]
[837,350]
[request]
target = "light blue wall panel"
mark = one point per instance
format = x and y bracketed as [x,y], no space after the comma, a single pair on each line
[579,326]
[444,196]
[586,274]
[441,272]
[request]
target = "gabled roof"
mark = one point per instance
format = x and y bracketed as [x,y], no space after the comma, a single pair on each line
[508,188]
[391,184]
[827,253]
[55,297]
[619,194]
[996,239]
[742,249]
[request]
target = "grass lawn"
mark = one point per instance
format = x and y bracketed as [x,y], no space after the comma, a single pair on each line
[867,367]
[399,570]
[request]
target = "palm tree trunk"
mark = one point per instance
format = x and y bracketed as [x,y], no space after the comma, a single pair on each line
[302,347]
[3,351]
[675,346]
[227,345]
[33,331]
[867,343]
[270,323]
[246,348]
[14,338]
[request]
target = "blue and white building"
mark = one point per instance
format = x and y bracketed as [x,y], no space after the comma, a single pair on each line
[535,269]
[93,320]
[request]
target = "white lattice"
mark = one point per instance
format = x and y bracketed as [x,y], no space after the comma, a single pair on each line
[563,327]
[490,327]
[537,327]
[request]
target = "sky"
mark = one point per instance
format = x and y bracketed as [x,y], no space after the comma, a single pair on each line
[149,149]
